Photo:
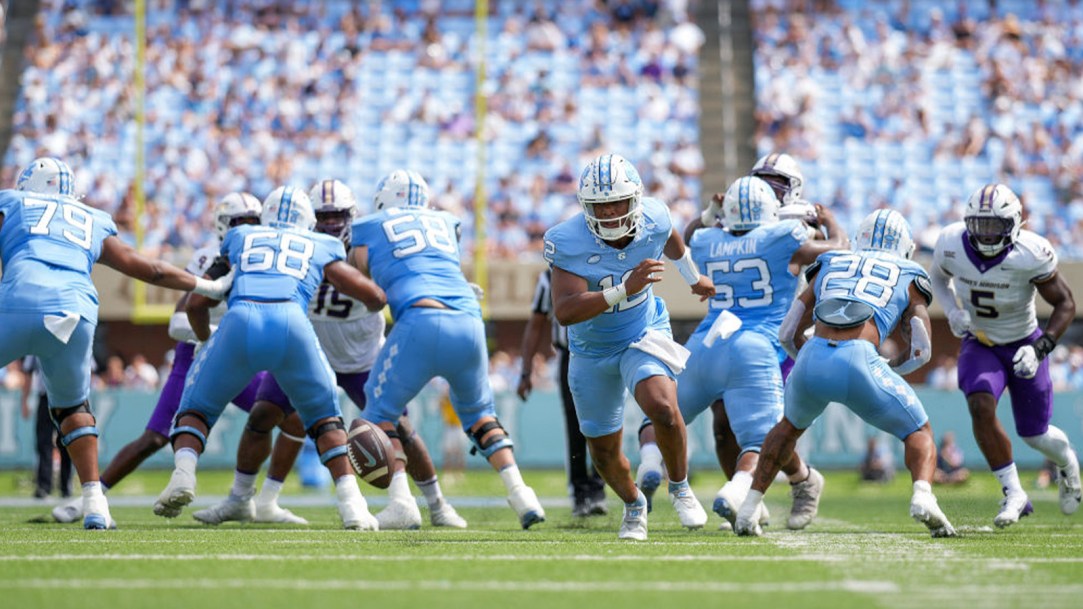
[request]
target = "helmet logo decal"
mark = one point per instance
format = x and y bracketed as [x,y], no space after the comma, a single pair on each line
[285,205]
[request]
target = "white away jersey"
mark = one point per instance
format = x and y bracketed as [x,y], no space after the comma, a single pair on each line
[201,261]
[350,334]
[998,292]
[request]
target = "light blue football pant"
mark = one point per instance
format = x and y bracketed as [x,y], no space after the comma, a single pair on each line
[423,344]
[253,336]
[852,373]
[65,367]
[599,384]
[742,371]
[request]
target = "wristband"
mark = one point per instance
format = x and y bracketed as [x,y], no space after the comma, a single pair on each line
[1044,345]
[615,294]
[687,267]
[205,287]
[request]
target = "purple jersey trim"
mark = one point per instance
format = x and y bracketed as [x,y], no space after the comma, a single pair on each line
[981,262]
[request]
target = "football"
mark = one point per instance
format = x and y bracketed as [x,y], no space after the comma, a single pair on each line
[369,450]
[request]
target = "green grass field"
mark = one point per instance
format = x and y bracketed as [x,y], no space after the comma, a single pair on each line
[863,551]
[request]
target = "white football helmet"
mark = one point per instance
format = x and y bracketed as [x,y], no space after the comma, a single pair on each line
[749,203]
[610,178]
[994,217]
[782,173]
[47,176]
[401,188]
[885,230]
[233,207]
[288,207]
[335,208]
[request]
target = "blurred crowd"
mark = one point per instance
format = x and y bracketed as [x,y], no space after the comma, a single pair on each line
[250,94]
[914,104]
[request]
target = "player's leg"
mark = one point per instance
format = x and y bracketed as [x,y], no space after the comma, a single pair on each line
[609,459]
[582,473]
[420,468]
[726,449]
[983,376]
[651,471]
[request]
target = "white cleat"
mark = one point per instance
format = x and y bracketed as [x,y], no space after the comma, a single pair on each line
[233,509]
[272,513]
[634,524]
[689,510]
[526,505]
[1071,493]
[648,479]
[69,511]
[925,509]
[97,515]
[443,515]
[806,500]
[747,528]
[356,516]
[180,491]
[1013,507]
[727,502]
[400,515]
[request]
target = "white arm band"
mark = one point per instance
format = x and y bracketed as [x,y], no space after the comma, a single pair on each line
[788,329]
[181,330]
[687,267]
[615,294]
[942,290]
[921,348]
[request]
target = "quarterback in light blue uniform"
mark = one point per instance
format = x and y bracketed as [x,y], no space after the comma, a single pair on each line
[412,252]
[49,241]
[857,299]
[278,267]
[604,262]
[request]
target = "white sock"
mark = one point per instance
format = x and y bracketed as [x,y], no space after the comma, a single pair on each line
[431,489]
[1009,478]
[1054,445]
[91,489]
[512,478]
[186,460]
[270,491]
[244,485]
[742,481]
[650,456]
[346,490]
[751,505]
[399,490]
[922,486]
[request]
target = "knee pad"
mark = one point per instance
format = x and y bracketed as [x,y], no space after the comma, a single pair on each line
[494,443]
[59,414]
[188,429]
[318,430]
[394,435]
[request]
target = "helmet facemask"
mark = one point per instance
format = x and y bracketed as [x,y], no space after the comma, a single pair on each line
[617,226]
[610,178]
[335,222]
[994,217]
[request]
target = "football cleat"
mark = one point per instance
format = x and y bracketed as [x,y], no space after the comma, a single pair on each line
[97,515]
[648,479]
[1069,486]
[400,515]
[233,509]
[356,516]
[727,502]
[1013,507]
[747,528]
[924,509]
[69,511]
[444,515]
[526,505]
[806,500]
[180,491]
[689,510]
[634,523]
[271,512]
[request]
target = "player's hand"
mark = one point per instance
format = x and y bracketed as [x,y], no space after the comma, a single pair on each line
[647,272]
[215,289]
[713,210]
[959,322]
[525,386]
[703,288]
[1026,362]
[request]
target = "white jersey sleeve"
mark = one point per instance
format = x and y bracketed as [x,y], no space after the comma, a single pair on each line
[201,260]
[997,292]
[349,334]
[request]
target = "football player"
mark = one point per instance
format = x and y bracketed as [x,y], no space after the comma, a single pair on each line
[995,267]
[351,336]
[49,241]
[279,266]
[857,299]
[604,261]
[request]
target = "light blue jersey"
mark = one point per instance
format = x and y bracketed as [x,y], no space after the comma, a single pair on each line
[266,326]
[413,253]
[851,372]
[48,245]
[572,247]
[48,304]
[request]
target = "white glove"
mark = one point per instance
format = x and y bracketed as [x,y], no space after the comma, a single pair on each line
[708,216]
[959,321]
[479,292]
[1026,362]
[216,289]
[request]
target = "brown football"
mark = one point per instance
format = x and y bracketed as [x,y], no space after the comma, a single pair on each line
[369,451]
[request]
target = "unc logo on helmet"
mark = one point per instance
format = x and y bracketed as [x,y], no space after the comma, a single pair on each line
[748,204]
[288,207]
[994,217]
[610,178]
[47,176]
[885,230]
[402,188]
[234,209]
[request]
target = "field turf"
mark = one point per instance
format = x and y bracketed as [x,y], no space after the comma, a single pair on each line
[863,551]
